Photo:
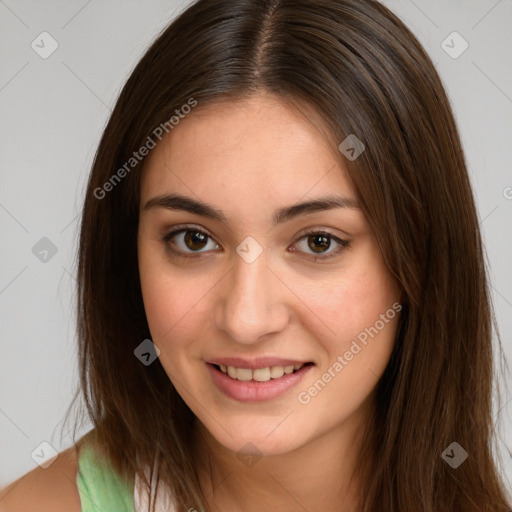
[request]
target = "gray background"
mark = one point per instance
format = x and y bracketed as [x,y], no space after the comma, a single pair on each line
[52,112]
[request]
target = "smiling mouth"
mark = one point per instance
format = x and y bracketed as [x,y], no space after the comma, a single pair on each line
[259,374]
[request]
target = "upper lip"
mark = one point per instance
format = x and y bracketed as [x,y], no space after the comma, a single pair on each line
[259,362]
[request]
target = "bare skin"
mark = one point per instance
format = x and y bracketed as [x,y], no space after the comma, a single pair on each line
[52,489]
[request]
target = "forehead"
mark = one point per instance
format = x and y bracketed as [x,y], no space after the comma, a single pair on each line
[245,152]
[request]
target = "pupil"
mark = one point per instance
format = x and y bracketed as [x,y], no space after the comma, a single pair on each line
[322,241]
[195,240]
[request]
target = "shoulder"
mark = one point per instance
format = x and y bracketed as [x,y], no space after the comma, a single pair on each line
[53,489]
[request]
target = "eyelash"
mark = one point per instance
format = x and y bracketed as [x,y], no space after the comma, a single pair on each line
[343,244]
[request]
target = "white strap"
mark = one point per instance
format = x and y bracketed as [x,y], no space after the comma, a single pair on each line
[164,502]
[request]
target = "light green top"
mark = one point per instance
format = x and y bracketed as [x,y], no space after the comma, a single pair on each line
[100,488]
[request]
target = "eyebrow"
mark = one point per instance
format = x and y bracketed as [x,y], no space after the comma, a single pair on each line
[179,202]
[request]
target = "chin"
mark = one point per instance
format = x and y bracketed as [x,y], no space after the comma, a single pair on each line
[248,439]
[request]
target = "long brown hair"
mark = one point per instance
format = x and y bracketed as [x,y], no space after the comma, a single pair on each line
[364,73]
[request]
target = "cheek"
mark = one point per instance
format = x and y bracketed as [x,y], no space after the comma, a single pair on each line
[173,299]
[362,312]
[353,301]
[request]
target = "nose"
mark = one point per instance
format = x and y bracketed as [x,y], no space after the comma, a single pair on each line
[251,304]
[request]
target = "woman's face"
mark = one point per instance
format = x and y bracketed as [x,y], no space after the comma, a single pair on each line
[253,277]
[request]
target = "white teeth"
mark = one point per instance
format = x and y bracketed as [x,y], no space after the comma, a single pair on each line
[243,373]
[276,371]
[259,374]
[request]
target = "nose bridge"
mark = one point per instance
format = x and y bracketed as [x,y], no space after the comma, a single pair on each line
[249,306]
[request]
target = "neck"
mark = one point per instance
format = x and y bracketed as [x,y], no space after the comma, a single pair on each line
[316,476]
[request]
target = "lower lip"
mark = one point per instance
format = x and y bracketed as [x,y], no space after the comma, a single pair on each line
[254,391]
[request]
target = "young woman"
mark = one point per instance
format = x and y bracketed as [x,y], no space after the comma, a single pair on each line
[283,301]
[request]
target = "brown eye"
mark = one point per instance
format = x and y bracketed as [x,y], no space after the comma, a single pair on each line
[318,243]
[185,242]
[195,240]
